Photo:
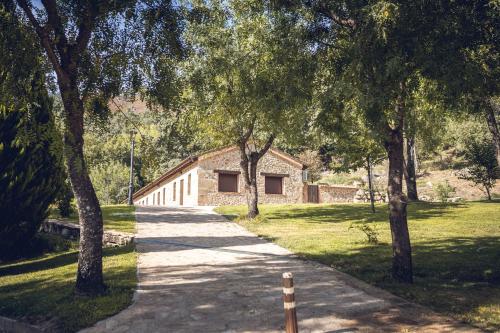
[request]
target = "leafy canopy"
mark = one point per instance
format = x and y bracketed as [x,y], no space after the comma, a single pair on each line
[246,70]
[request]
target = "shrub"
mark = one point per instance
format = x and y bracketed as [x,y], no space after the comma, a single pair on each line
[370,232]
[64,200]
[482,167]
[444,191]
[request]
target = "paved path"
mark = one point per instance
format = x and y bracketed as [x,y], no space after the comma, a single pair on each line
[200,273]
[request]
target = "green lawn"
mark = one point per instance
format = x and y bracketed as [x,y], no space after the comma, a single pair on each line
[456,250]
[41,289]
[116,217]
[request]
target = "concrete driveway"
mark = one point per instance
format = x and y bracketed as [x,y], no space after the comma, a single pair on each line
[201,273]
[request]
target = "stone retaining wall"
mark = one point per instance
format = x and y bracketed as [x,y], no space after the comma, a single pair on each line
[8,325]
[72,231]
[336,193]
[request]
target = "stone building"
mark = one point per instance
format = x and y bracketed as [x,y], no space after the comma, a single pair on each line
[214,179]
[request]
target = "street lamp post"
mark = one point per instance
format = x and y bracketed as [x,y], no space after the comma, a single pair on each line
[131,179]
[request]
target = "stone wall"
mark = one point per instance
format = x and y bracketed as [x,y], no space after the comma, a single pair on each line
[72,231]
[8,325]
[229,160]
[336,193]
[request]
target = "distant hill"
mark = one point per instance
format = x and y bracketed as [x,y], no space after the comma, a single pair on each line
[125,105]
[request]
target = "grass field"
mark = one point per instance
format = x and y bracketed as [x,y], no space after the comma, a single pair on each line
[116,217]
[40,290]
[456,250]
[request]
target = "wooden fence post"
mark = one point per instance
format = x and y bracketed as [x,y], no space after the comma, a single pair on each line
[289,303]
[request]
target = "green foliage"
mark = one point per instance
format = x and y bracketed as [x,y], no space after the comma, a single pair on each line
[159,145]
[64,200]
[482,166]
[247,71]
[353,143]
[314,164]
[459,130]
[31,169]
[444,191]
[370,232]
[110,182]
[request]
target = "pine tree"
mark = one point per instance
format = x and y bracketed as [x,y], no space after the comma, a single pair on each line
[30,157]
[30,170]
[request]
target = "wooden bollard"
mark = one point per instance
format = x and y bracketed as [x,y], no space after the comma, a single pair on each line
[289,303]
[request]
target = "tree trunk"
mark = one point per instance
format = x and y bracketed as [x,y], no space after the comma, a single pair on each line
[253,195]
[89,278]
[370,185]
[488,193]
[402,269]
[493,127]
[411,174]
[65,59]
[248,164]
[401,248]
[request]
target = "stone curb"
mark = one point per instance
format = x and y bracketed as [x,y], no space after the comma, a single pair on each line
[8,325]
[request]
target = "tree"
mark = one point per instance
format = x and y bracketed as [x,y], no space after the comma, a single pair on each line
[89,45]
[426,109]
[482,167]
[31,168]
[372,54]
[469,63]
[354,145]
[247,79]
[314,164]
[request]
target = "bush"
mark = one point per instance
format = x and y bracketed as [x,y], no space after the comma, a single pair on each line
[370,233]
[482,167]
[64,200]
[444,191]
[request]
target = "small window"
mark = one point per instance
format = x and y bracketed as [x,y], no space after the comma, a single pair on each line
[154,196]
[163,196]
[174,190]
[228,182]
[147,201]
[274,185]
[189,184]
[158,198]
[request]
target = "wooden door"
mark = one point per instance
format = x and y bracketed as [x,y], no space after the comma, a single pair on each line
[181,192]
[313,193]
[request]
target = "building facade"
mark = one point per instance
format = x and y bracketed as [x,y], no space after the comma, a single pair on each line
[214,179]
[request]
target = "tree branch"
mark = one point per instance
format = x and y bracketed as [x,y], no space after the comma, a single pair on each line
[84,31]
[329,13]
[54,20]
[266,147]
[244,162]
[44,38]
[244,138]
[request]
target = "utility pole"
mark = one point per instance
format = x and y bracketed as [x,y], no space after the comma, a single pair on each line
[131,179]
